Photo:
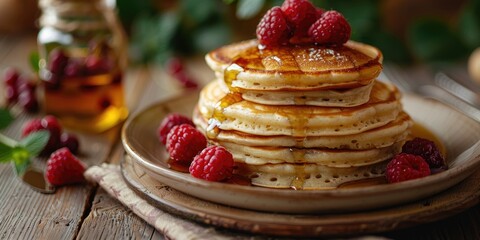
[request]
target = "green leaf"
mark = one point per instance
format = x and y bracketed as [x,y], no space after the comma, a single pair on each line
[433,40]
[228,2]
[5,118]
[393,49]
[34,60]
[249,8]
[212,37]
[5,153]
[469,25]
[199,11]
[35,142]
[21,159]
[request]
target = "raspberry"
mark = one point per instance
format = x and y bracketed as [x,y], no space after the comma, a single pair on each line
[58,60]
[427,150]
[330,28]
[184,142]
[96,65]
[214,163]
[74,68]
[64,168]
[301,14]
[168,123]
[10,77]
[28,100]
[49,123]
[273,29]
[405,167]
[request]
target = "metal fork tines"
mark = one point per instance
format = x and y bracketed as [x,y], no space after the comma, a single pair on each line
[419,81]
[449,84]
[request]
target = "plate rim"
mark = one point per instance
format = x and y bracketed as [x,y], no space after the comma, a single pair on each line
[460,169]
[303,222]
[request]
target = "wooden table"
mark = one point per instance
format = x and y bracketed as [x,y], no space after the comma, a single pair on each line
[88,212]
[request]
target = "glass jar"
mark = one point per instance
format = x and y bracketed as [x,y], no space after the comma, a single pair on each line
[82,57]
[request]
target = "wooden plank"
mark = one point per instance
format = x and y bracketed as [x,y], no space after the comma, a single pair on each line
[26,214]
[108,218]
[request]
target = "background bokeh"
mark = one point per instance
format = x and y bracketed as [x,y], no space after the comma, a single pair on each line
[407,31]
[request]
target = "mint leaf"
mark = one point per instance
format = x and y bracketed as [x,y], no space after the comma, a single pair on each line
[249,8]
[35,142]
[5,153]
[34,61]
[21,159]
[5,118]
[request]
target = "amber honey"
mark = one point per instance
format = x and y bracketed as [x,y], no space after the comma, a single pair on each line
[90,103]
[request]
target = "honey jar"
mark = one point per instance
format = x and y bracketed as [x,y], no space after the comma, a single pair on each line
[82,61]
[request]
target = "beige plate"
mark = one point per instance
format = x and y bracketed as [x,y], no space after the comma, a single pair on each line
[460,135]
[449,202]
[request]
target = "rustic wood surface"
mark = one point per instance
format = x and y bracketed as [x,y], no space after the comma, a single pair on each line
[88,212]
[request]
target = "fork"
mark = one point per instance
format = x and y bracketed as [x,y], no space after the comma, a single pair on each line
[418,81]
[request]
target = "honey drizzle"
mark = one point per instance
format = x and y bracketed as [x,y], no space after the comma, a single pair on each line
[282,59]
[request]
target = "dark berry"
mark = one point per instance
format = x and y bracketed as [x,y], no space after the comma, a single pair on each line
[168,123]
[74,68]
[97,65]
[405,167]
[70,141]
[184,142]
[11,94]
[427,150]
[105,103]
[28,101]
[273,29]
[25,86]
[48,123]
[214,163]
[57,61]
[10,77]
[331,28]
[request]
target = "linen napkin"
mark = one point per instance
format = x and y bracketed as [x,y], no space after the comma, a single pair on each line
[109,177]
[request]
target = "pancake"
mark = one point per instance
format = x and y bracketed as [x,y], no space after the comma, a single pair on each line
[302,116]
[323,157]
[307,176]
[395,131]
[245,67]
[327,98]
[231,112]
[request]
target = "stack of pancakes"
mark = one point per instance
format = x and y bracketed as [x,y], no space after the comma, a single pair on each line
[302,116]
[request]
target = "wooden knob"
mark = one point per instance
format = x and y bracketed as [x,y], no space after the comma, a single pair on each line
[474,65]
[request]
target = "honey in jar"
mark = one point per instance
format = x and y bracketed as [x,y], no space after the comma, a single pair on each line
[82,63]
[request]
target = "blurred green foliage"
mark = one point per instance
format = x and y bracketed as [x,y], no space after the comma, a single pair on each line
[171,27]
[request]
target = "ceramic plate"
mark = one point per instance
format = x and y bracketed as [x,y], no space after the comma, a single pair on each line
[460,135]
[451,201]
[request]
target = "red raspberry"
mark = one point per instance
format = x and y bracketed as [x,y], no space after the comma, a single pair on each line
[168,123]
[64,168]
[57,61]
[184,142]
[49,123]
[427,150]
[331,28]
[405,167]
[10,77]
[273,29]
[214,163]
[301,14]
